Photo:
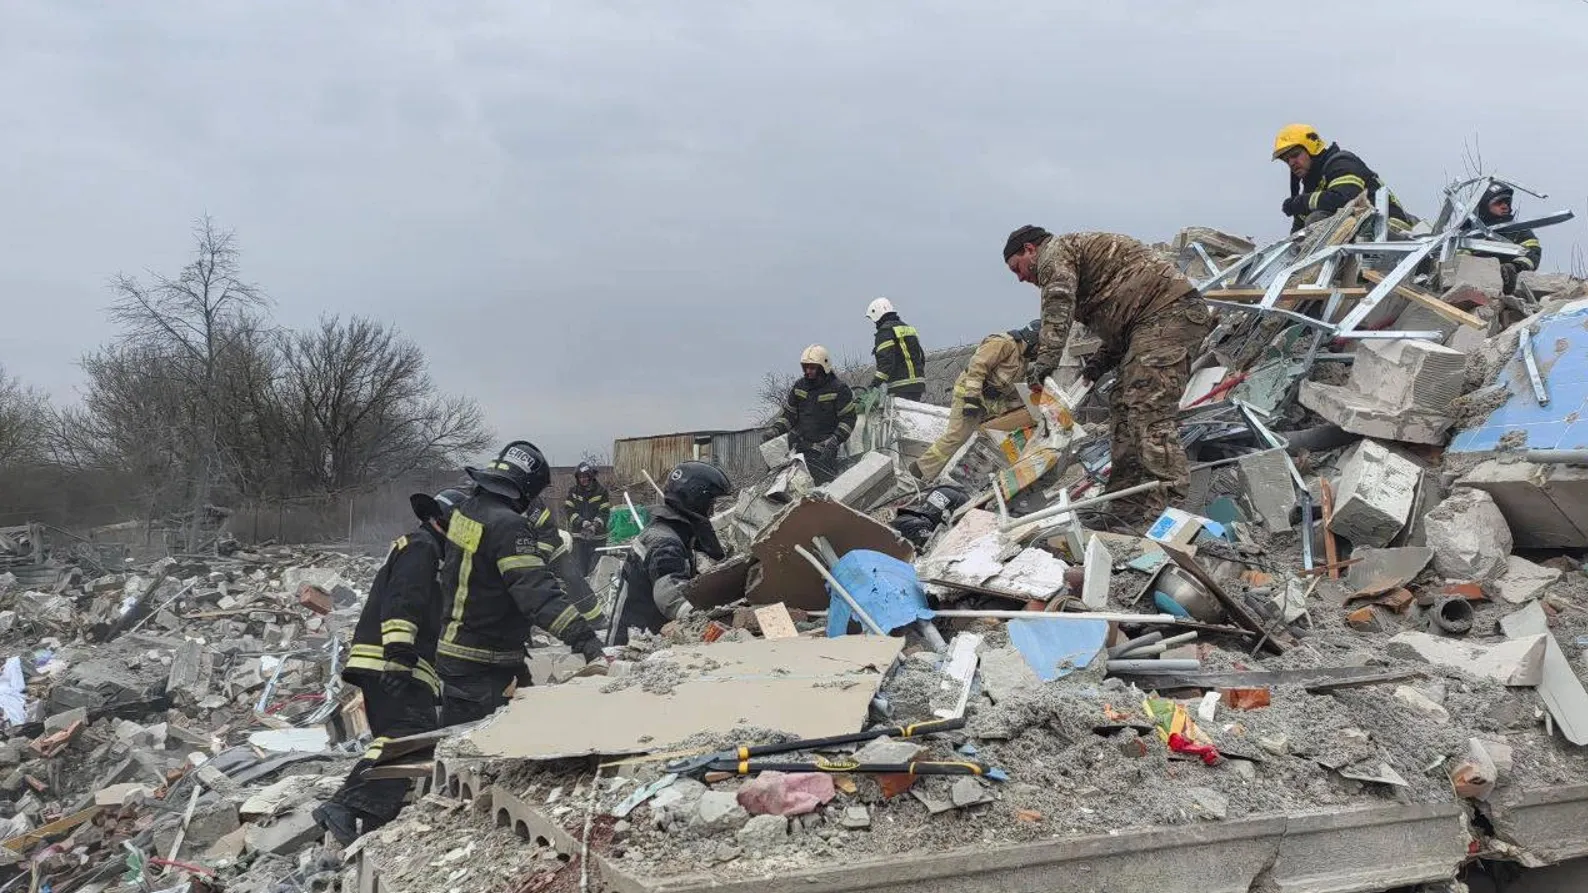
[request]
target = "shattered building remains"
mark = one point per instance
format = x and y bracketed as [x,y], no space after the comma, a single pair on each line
[1353,659]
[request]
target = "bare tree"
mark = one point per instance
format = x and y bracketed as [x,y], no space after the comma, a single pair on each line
[24,422]
[359,407]
[775,386]
[193,322]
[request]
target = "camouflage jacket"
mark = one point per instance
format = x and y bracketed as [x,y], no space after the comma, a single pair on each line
[1109,282]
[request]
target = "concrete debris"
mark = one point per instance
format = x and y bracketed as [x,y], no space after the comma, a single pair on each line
[1524,581]
[284,834]
[1469,271]
[763,833]
[855,818]
[718,812]
[1420,704]
[1469,536]
[1519,662]
[1374,496]
[1265,479]
[1398,390]
[1540,502]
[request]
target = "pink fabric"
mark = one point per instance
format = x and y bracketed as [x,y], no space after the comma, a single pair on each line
[786,793]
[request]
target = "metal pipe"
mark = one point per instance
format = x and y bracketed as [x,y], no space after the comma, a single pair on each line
[1129,645]
[1110,616]
[1556,457]
[1056,510]
[865,619]
[652,481]
[1149,667]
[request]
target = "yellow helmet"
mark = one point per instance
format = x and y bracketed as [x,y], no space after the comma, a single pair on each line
[1293,135]
[816,355]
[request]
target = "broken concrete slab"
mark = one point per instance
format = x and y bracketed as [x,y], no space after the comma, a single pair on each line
[888,750]
[762,833]
[1005,674]
[782,575]
[968,791]
[118,794]
[1519,662]
[1409,375]
[1265,479]
[1206,803]
[1099,568]
[1521,491]
[1559,689]
[1469,536]
[1374,497]
[862,484]
[718,812]
[1421,704]
[286,834]
[1481,273]
[775,451]
[1364,415]
[1524,581]
[1384,570]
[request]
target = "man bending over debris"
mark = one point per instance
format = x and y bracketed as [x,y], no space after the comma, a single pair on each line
[394,646]
[1324,179]
[662,558]
[818,414]
[984,390]
[496,582]
[1150,320]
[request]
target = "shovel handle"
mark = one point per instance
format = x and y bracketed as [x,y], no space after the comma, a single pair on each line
[745,767]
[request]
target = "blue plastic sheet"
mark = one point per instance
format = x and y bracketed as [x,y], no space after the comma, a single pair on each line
[884,587]
[1054,649]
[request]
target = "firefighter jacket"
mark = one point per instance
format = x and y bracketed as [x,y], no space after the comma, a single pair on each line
[994,369]
[1335,178]
[1525,238]
[586,504]
[660,561]
[900,360]
[403,612]
[497,582]
[814,412]
[1107,282]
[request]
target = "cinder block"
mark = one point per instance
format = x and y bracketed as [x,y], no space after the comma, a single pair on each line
[872,476]
[1409,374]
[1374,495]
[1368,416]
[1482,273]
[1265,478]
[1521,491]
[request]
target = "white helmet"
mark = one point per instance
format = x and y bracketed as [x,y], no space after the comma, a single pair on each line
[879,308]
[816,355]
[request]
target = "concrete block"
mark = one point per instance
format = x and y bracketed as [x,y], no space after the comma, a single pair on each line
[860,484]
[1545,284]
[1567,487]
[775,451]
[1469,536]
[1369,417]
[1420,704]
[1521,491]
[1374,495]
[1265,478]
[1482,273]
[1524,581]
[1409,374]
[286,834]
[1518,662]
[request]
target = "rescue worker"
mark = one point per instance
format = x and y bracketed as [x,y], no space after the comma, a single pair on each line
[901,364]
[985,389]
[1324,179]
[818,414]
[662,557]
[1496,208]
[392,663]
[586,508]
[564,563]
[496,582]
[1150,320]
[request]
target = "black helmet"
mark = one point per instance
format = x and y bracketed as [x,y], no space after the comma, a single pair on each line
[693,486]
[1496,190]
[519,472]
[439,507]
[585,468]
[1028,335]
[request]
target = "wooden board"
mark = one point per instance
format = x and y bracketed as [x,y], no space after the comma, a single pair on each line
[1432,302]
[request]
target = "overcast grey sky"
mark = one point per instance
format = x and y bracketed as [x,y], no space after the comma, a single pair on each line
[610,219]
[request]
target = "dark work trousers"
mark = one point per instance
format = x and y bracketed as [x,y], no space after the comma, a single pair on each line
[909,392]
[476,696]
[584,554]
[409,712]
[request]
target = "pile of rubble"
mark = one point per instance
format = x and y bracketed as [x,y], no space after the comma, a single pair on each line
[171,728]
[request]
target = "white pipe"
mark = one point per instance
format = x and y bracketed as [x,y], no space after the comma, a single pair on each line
[1056,510]
[652,481]
[865,619]
[1112,617]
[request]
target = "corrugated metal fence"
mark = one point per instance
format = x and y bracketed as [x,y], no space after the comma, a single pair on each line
[737,452]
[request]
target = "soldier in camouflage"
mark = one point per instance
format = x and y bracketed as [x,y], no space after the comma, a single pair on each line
[1151,322]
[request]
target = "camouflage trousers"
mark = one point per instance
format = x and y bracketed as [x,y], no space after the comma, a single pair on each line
[1144,406]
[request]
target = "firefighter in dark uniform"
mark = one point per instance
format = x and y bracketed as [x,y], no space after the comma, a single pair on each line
[818,414]
[394,647]
[496,582]
[1496,208]
[565,563]
[586,508]
[901,364]
[662,558]
[1324,179]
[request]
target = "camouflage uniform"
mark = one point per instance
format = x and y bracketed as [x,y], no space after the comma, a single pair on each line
[990,377]
[1148,316]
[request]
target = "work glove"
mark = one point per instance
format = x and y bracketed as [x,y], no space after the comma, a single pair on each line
[1296,206]
[1508,278]
[829,447]
[770,434]
[972,408]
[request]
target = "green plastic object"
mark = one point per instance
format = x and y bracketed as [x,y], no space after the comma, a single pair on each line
[622,527]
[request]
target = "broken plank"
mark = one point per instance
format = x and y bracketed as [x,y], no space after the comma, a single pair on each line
[1331,552]
[1430,301]
[1318,681]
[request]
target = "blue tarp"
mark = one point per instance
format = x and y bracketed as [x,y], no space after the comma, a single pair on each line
[1561,346]
[885,587]
[1057,648]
